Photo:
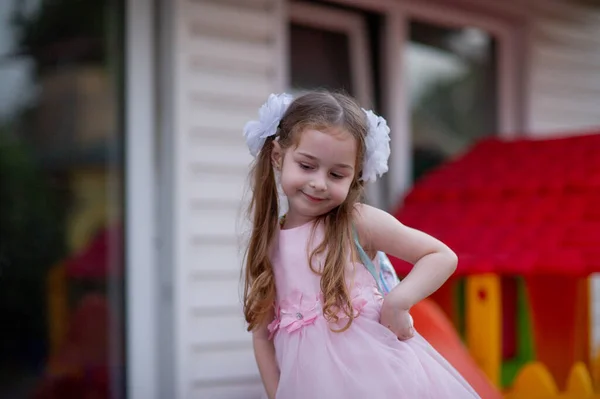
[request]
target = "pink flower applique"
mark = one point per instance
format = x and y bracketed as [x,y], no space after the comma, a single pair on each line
[298,310]
[358,304]
[274,325]
[357,301]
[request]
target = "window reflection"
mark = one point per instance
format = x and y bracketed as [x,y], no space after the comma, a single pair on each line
[452,78]
[61,279]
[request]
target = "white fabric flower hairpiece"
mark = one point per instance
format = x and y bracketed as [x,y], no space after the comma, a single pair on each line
[377,151]
[269,116]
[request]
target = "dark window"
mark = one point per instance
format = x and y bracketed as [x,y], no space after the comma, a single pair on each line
[61,261]
[319,59]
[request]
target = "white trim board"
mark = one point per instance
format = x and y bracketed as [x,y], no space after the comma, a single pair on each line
[141,276]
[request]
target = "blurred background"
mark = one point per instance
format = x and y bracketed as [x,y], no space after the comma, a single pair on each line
[122,168]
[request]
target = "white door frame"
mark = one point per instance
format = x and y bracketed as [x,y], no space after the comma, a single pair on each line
[397,16]
[140,230]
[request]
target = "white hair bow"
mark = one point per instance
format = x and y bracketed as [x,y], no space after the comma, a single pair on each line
[269,116]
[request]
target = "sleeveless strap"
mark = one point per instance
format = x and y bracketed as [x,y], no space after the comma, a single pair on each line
[364,258]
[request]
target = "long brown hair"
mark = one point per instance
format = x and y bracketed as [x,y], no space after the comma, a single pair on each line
[316,110]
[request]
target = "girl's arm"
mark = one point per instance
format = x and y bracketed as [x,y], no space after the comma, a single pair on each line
[433,261]
[264,352]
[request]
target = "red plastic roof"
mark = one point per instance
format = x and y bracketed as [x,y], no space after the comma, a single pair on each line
[521,207]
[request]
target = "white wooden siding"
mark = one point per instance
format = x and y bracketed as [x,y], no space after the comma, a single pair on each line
[564,68]
[227,61]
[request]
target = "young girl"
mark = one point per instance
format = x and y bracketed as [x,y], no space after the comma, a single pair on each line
[321,327]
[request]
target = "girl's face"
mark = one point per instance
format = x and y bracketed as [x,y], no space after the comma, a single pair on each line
[317,173]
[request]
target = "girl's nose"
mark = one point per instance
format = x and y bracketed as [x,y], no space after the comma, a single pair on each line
[318,184]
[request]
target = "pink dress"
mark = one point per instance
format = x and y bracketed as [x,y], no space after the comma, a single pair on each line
[365,361]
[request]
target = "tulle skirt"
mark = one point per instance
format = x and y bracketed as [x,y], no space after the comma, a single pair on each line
[366,361]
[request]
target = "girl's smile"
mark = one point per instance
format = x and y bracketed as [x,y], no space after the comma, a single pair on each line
[313,199]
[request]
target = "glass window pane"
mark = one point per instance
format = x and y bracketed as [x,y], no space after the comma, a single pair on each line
[319,59]
[61,261]
[452,78]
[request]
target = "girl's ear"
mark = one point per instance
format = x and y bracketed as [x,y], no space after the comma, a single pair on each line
[277,155]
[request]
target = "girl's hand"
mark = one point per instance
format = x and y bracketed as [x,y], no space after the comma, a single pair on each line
[397,319]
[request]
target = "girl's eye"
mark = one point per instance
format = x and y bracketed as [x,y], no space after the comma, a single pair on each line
[305,166]
[337,176]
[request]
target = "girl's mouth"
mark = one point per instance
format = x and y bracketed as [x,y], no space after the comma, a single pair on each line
[312,199]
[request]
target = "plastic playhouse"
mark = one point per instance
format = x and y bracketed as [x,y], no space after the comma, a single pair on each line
[524,218]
